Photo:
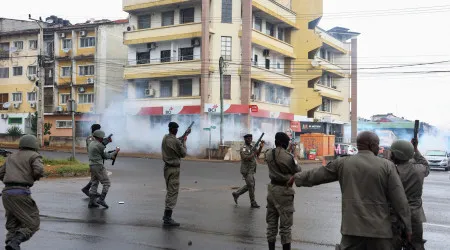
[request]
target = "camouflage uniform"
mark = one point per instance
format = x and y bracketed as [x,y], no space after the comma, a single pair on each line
[248,169]
[19,173]
[368,184]
[412,175]
[280,198]
[86,189]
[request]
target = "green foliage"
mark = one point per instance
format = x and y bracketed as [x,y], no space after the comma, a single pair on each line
[14,131]
[47,127]
[34,120]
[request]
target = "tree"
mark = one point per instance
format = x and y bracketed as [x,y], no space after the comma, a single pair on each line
[34,120]
[47,127]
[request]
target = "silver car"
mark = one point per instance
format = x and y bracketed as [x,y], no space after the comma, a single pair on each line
[438,159]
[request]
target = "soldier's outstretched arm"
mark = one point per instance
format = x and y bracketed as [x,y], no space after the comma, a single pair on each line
[397,197]
[38,168]
[322,175]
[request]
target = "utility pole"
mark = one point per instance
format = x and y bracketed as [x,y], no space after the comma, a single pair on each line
[40,83]
[73,108]
[221,66]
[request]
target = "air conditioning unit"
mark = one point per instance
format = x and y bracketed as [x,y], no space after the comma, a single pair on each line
[90,81]
[16,105]
[4,116]
[62,35]
[59,109]
[151,46]
[195,42]
[81,90]
[32,77]
[83,33]
[149,92]
[266,52]
[130,28]
[33,104]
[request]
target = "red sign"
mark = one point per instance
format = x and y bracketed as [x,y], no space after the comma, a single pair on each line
[254,108]
[295,126]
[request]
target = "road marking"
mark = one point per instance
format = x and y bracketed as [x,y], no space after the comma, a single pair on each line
[437,225]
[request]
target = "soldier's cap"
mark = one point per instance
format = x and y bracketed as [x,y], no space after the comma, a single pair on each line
[173,125]
[282,137]
[248,135]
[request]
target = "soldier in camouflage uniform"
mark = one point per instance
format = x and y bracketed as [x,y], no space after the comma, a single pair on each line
[173,149]
[19,173]
[280,198]
[90,139]
[412,168]
[369,185]
[97,155]
[248,169]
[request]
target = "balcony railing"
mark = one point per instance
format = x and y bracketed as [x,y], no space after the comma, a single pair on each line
[181,58]
[279,9]
[165,33]
[329,39]
[159,70]
[331,67]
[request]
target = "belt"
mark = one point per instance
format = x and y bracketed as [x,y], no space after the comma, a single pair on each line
[12,184]
[278,183]
[17,192]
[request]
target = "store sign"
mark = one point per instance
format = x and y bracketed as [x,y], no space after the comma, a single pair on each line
[254,108]
[312,127]
[295,126]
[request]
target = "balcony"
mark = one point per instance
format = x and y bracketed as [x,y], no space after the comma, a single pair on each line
[165,33]
[272,43]
[328,92]
[269,76]
[333,42]
[277,10]
[160,70]
[133,5]
[331,67]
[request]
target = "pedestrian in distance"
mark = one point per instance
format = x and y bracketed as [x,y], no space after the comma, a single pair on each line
[173,150]
[369,186]
[249,154]
[97,155]
[412,168]
[280,199]
[19,173]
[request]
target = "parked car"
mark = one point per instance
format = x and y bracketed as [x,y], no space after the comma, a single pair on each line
[438,159]
[344,150]
[4,152]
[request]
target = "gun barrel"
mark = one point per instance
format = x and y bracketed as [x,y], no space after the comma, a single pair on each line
[416,128]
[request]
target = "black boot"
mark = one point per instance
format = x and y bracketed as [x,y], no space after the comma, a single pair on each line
[271,245]
[168,221]
[14,244]
[255,205]
[85,190]
[92,201]
[235,197]
[287,246]
[101,200]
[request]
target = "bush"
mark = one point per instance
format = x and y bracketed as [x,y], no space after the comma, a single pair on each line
[14,131]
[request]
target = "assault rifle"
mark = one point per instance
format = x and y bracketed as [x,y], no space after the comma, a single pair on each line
[186,132]
[416,129]
[255,147]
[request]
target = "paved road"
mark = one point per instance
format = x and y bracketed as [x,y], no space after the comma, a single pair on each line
[205,208]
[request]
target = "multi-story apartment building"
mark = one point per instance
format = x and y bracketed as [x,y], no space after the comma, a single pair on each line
[269,47]
[89,60]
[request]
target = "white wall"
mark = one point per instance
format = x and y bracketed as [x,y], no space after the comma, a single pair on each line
[155,84]
[274,57]
[4,122]
[156,16]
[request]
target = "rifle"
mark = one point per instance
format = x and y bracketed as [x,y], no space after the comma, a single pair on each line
[186,132]
[114,161]
[106,140]
[416,129]
[257,143]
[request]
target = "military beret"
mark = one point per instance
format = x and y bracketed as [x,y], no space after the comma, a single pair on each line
[173,125]
[248,135]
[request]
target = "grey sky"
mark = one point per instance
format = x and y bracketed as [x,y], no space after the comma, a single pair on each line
[387,38]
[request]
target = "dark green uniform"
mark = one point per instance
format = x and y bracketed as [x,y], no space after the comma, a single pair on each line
[368,185]
[280,198]
[248,169]
[19,173]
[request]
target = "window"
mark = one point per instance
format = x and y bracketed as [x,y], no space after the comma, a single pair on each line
[269,29]
[33,44]
[17,71]
[4,98]
[270,94]
[226,48]
[281,34]
[85,98]
[186,54]
[278,65]
[327,80]
[87,70]
[32,70]
[258,24]
[18,45]
[143,57]
[227,11]
[86,42]
[167,18]
[255,61]
[326,105]
[257,91]
[15,121]
[64,98]
[165,88]
[64,124]
[144,22]
[267,63]
[185,87]
[67,43]
[31,96]
[4,72]
[227,87]
[165,56]
[4,50]
[17,97]
[66,71]
[187,15]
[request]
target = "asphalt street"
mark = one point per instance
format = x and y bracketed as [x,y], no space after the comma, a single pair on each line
[206,210]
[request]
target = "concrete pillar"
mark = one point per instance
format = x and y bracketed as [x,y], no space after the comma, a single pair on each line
[205,57]
[354,90]
[246,44]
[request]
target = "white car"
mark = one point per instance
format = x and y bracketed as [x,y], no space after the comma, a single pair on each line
[438,159]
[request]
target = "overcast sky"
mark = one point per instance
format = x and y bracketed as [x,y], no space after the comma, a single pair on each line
[393,32]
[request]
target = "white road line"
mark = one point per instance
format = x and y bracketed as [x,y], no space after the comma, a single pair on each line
[437,225]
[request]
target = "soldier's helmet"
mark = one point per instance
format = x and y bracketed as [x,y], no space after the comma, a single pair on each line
[29,141]
[403,150]
[98,134]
